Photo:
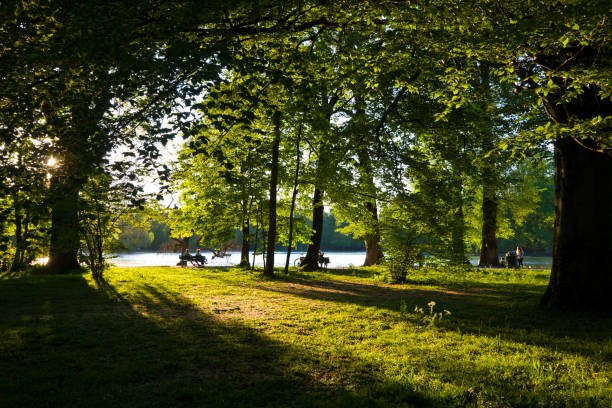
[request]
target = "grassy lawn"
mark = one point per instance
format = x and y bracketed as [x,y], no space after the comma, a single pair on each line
[168,337]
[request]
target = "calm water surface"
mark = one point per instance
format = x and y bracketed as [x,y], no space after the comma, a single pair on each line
[337,259]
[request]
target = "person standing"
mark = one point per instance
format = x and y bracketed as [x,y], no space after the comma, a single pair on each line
[519,256]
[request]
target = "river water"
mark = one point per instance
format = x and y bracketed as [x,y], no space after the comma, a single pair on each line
[337,259]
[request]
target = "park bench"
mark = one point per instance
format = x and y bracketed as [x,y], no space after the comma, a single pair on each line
[197,261]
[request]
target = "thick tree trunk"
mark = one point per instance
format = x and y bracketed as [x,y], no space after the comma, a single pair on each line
[490,179]
[78,163]
[582,241]
[25,242]
[269,266]
[488,246]
[582,245]
[65,242]
[374,254]
[181,244]
[311,260]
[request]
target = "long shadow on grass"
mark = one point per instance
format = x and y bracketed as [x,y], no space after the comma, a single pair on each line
[66,343]
[507,310]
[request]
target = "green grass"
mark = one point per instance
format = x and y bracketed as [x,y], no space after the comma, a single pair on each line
[168,337]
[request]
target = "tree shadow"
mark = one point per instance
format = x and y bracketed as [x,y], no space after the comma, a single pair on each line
[68,343]
[65,342]
[501,309]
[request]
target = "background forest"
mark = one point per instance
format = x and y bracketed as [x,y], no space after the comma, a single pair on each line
[534,233]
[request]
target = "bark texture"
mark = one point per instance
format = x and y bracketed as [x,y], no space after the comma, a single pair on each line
[374,254]
[244,251]
[64,248]
[20,244]
[490,179]
[581,274]
[269,266]
[311,260]
[582,241]
[488,246]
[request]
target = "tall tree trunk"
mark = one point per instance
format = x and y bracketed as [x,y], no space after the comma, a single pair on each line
[582,242]
[255,243]
[65,242]
[490,178]
[246,227]
[488,246]
[244,251]
[293,197]
[374,254]
[25,242]
[458,237]
[269,267]
[19,244]
[311,260]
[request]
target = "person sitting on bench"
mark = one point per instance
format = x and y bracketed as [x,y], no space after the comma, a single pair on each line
[199,259]
[184,258]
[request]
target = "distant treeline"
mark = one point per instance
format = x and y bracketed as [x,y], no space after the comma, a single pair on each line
[156,234]
[534,235]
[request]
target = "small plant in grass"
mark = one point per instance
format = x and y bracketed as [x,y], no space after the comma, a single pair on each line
[428,317]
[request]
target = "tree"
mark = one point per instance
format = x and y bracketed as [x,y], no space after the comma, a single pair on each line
[221,183]
[84,101]
[269,267]
[322,97]
[355,198]
[560,51]
[294,193]
[23,204]
[103,203]
[533,229]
